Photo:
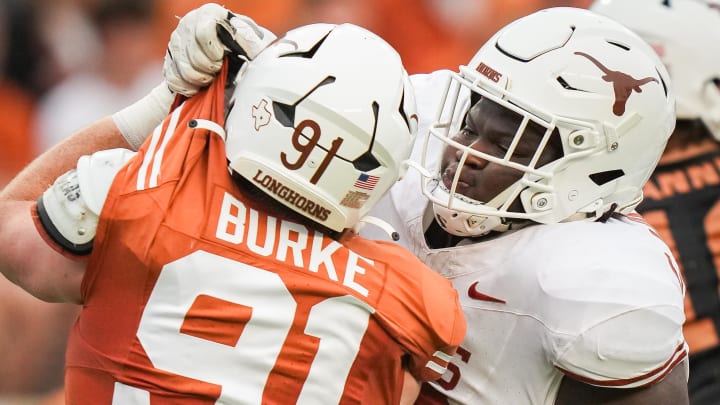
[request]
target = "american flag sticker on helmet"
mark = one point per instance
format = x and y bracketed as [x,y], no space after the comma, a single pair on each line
[366,181]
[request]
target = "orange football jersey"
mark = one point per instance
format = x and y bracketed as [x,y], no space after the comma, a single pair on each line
[194,294]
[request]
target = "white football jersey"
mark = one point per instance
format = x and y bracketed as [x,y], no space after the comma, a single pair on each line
[601,302]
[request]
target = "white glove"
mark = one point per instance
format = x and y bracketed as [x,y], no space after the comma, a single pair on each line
[196,51]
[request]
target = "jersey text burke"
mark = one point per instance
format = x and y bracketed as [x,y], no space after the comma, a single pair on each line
[237,224]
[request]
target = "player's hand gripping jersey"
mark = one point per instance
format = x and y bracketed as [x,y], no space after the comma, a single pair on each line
[194,294]
[548,300]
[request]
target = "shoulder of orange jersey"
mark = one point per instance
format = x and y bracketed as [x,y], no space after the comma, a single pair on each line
[419,306]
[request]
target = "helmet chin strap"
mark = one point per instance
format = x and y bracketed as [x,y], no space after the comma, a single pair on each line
[210,126]
[392,233]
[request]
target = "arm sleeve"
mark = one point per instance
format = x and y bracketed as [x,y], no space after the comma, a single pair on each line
[628,350]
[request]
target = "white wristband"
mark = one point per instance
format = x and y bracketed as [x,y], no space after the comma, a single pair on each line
[137,121]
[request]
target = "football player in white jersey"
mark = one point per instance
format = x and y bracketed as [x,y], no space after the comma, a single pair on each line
[536,155]
[682,195]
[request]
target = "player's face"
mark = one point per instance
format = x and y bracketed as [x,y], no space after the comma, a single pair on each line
[490,128]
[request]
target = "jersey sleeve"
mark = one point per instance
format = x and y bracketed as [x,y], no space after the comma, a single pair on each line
[615,311]
[423,311]
[446,319]
[634,349]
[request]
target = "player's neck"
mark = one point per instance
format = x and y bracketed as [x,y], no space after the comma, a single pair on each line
[437,238]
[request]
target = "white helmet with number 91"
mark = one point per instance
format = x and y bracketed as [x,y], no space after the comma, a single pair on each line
[595,89]
[323,121]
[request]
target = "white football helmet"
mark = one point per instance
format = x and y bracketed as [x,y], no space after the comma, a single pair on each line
[683,33]
[323,121]
[576,73]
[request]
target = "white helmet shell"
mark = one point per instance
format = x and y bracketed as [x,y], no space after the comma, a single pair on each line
[323,121]
[684,33]
[581,75]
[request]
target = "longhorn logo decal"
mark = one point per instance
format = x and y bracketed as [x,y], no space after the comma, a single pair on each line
[623,84]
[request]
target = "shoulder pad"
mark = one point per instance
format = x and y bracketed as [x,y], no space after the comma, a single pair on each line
[97,172]
[69,210]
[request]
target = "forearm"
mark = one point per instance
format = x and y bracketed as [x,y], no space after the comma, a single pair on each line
[410,389]
[30,183]
[672,390]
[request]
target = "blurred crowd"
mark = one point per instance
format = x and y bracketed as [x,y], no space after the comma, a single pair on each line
[65,63]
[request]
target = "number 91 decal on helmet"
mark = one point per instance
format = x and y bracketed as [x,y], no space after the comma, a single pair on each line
[323,121]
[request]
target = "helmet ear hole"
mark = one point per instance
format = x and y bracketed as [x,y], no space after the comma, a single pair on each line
[366,162]
[284,114]
[605,177]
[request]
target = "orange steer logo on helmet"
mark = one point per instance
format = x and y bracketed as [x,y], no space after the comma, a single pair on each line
[623,83]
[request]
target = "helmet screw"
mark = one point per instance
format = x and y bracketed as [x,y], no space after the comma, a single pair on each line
[572,195]
[614,146]
[542,201]
[578,140]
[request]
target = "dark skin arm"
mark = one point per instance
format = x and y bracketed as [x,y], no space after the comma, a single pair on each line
[672,390]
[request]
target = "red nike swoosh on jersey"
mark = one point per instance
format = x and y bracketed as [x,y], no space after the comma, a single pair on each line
[477,295]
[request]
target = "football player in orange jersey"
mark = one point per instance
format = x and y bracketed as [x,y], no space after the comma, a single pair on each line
[682,198]
[219,262]
[534,160]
